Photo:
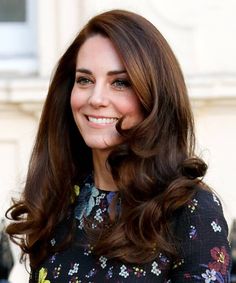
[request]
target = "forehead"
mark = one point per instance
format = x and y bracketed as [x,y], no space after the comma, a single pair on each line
[99,49]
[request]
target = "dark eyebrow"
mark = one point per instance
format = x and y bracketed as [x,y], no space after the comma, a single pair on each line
[110,73]
[82,70]
[117,72]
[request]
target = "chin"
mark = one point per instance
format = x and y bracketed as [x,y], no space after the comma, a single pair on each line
[102,145]
[99,146]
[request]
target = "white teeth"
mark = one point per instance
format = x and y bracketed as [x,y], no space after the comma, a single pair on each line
[102,120]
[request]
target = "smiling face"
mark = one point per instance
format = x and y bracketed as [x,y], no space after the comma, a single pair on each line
[102,94]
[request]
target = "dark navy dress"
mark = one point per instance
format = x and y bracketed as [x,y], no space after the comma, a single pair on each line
[204,254]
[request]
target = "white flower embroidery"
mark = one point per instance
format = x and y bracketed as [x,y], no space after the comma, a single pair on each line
[215,226]
[98,198]
[88,250]
[81,224]
[74,269]
[209,276]
[94,225]
[193,205]
[53,241]
[155,270]
[98,215]
[216,199]
[123,271]
[103,261]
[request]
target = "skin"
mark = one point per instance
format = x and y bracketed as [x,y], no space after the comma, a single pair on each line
[101,95]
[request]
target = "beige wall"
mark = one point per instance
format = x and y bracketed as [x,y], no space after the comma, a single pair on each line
[202,36]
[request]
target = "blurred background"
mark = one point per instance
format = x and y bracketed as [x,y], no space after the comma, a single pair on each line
[35,33]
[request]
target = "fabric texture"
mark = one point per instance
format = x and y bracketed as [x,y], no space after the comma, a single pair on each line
[200,228]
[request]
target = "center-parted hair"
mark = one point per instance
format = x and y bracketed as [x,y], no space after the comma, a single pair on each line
[155,168]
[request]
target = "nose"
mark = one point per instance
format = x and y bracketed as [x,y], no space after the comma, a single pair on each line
[98,97]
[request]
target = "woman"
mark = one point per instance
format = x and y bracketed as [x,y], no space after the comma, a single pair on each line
[114,192]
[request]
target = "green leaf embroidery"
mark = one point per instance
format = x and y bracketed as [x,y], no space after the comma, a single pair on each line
[42,276]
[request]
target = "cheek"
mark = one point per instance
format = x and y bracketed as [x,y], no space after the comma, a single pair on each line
[75,101]
[132,109]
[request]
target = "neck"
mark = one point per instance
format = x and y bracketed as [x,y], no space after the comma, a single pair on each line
[102,175]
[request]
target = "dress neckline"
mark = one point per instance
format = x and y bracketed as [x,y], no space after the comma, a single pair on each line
[90,181]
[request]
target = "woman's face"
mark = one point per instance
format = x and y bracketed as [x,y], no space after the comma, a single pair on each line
[102,94]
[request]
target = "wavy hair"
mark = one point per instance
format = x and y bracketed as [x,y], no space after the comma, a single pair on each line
[155,169]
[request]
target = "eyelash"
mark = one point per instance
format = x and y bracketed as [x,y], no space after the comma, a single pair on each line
[121,83]
[83,80]
[118,83]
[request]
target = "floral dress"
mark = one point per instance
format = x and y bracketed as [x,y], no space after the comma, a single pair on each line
[204,249]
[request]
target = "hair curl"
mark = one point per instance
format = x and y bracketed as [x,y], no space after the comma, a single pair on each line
[155,169]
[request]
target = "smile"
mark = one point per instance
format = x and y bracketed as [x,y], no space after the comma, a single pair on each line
[102,120]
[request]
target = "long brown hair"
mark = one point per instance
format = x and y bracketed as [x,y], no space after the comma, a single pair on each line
[155,169]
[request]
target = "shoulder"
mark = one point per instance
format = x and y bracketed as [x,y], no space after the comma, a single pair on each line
[202,216]
[201,235]
[204,201]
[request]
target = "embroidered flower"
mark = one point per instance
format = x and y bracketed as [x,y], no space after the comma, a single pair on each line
[193,232]
[123,271]
[98,215]
[221,258]
[139,272]
[178,263]
[216,227]
[53,258]
[103,261]
[155,270]
[42,276]
[56,271]
[81,224]
[192,205]
[88,250]
[110,197]
[94,226]
[209,276]
[109,273]
[216,199]
[187,276]
[53,242]
[91,273]
[74,269]
[99,198]
[77,190]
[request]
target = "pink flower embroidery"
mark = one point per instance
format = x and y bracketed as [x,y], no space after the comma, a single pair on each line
[221,258]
